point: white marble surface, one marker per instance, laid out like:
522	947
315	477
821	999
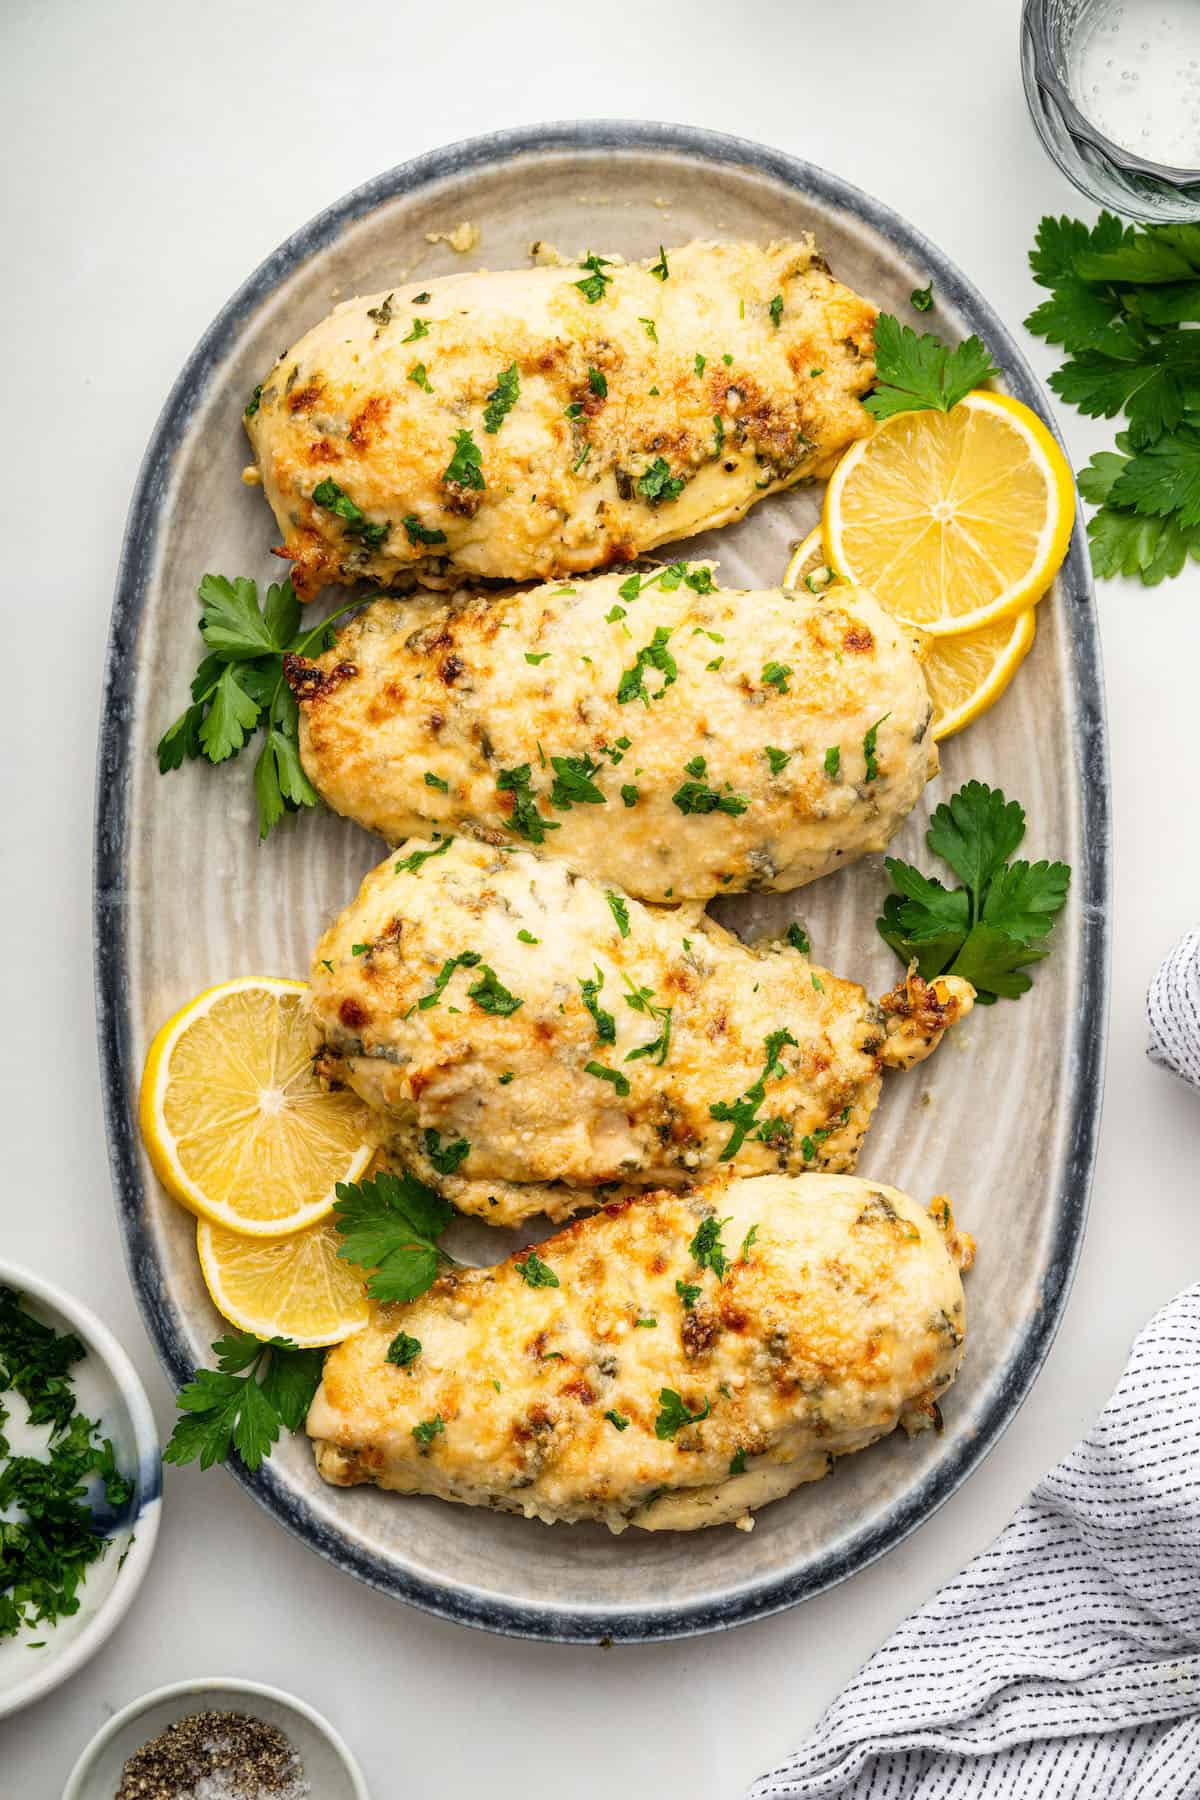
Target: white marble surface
153	153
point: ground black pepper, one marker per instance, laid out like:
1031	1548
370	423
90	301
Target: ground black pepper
215	1756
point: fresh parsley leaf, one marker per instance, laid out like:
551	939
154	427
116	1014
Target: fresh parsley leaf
465	468
598	382
606	1025
421	534
403	1350
616	1419
921	299
500	403
420	329
706	1247
742	1113
1163	478
737	1462
870	741
255	401
653	655
689	1292
776	310
629	794
491	996
390	1225
419	375
593	286
797	937
990	929
641	999
527	937
673	1414
332	498
415	861
534	1272
257	1389
917	374
660	267
466	959
775	674
428	1429
778	759
699	797
651	329
573	784
436	781
833	762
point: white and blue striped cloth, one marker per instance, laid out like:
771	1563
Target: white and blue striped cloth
1064	1662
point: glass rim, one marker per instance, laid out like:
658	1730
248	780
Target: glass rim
1080	126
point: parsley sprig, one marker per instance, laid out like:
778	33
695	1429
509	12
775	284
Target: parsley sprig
920	374
240	685
258	1389
1118	297
996	924
390	1225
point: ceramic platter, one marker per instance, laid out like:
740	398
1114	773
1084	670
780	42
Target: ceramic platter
1004	1118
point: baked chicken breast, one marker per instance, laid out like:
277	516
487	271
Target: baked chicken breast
671	1362
527	1036
675	738
540	422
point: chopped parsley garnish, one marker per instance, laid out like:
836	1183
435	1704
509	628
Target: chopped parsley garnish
420	329
699	797
573	410
411	864
689	1292
653	655
467	959
718	434
699	363
593	286
620	912
727	360
673	1414
253	403
581	459
527	937
809	1144
616	1419
869	742
658	484
359	949
778	759
921	299
996	924
629	794
598	382
525	819
491	996
258	1388
419	375
403	1350
465	467
833	762
775	674
46	1550
428	1429
435	781
797	937
421	299
742	1114
640	999
505	1078
613	614
573	784
390	1225
619	1082
747	1241
919	374
776	310
445	1157
737	1462
332	498
660	267
421	534
697	766
535	1273
706	1247
500	401
651	329
536	656
606	1025
818	984
646	1324
382	314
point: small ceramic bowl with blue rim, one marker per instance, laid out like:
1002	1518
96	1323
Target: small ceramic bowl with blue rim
108	1390
329	1769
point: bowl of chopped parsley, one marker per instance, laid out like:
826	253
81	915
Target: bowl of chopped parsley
80	1485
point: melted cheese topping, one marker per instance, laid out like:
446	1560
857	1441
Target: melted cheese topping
764	739
834	1312
661	409
506	1019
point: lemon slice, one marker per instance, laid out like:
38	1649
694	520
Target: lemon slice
954	520
235	1122
808	559
294	1287
967	673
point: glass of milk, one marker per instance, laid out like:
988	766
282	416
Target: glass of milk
1114	90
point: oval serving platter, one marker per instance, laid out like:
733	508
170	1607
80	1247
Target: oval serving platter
1004	1118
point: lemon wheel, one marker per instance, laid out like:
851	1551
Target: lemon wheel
295	1287
954	520
234	1119
967	674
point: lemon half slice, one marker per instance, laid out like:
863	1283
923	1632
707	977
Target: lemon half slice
954	520
294	1287
968	673
236	1123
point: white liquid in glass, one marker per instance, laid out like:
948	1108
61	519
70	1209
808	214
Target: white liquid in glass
1135	73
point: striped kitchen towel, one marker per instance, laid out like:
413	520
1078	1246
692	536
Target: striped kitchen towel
1064	1662
1173	1010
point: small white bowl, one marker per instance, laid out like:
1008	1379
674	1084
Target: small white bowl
107	1389
329	1768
